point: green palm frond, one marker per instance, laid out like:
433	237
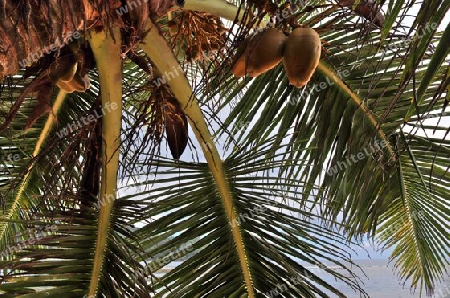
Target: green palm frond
343	119
55	195
416	222
61	261
361	150
185	217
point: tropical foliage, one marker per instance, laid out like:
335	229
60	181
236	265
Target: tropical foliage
275	181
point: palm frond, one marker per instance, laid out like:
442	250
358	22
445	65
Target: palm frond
184	217
358	177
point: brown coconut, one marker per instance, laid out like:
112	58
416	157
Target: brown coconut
259	53
301	55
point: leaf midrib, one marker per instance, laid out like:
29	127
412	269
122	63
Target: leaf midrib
160	53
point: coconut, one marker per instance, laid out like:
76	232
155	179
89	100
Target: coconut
301	55
259	53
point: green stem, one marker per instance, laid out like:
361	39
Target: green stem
107	56
330	73
156	47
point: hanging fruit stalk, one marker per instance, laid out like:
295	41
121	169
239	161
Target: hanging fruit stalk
176	127
301	55
259	53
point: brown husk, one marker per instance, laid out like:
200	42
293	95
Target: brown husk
259	53
301	55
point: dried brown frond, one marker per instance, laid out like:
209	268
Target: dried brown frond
32	28
43	106
196	36
67	69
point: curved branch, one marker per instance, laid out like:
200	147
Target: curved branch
107	49
330	73
156	47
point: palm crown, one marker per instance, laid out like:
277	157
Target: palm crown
275	178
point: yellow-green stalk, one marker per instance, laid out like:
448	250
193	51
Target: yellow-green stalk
156	47
107	52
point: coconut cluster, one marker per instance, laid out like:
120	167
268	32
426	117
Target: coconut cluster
300	52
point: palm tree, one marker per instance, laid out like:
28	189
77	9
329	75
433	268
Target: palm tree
279	178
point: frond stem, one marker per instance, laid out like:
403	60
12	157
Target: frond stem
107	49
156	47
329	73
